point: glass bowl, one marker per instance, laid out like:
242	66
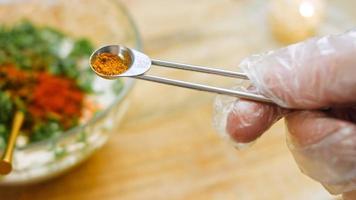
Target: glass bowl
102	22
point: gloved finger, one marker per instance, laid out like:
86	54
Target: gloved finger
248	120
324	148
317	73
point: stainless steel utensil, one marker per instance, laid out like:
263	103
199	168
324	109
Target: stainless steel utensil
140	63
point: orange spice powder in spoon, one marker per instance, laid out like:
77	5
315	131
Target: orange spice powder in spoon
109	64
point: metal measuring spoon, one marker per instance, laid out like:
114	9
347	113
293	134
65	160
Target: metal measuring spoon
139	63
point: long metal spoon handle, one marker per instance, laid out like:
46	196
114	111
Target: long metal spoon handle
6	161
195	86
196	68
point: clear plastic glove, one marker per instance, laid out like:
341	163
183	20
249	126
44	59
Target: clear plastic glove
314	84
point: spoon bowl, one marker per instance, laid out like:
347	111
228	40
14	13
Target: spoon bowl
138	63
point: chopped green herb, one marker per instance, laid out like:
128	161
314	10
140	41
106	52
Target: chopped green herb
46	130
44	73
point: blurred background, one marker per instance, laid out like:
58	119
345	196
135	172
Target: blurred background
166	146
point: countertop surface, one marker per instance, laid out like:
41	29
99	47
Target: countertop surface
166	147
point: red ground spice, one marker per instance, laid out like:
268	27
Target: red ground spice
44	95
18	82
58	96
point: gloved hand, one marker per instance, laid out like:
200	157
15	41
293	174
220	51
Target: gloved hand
314	84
